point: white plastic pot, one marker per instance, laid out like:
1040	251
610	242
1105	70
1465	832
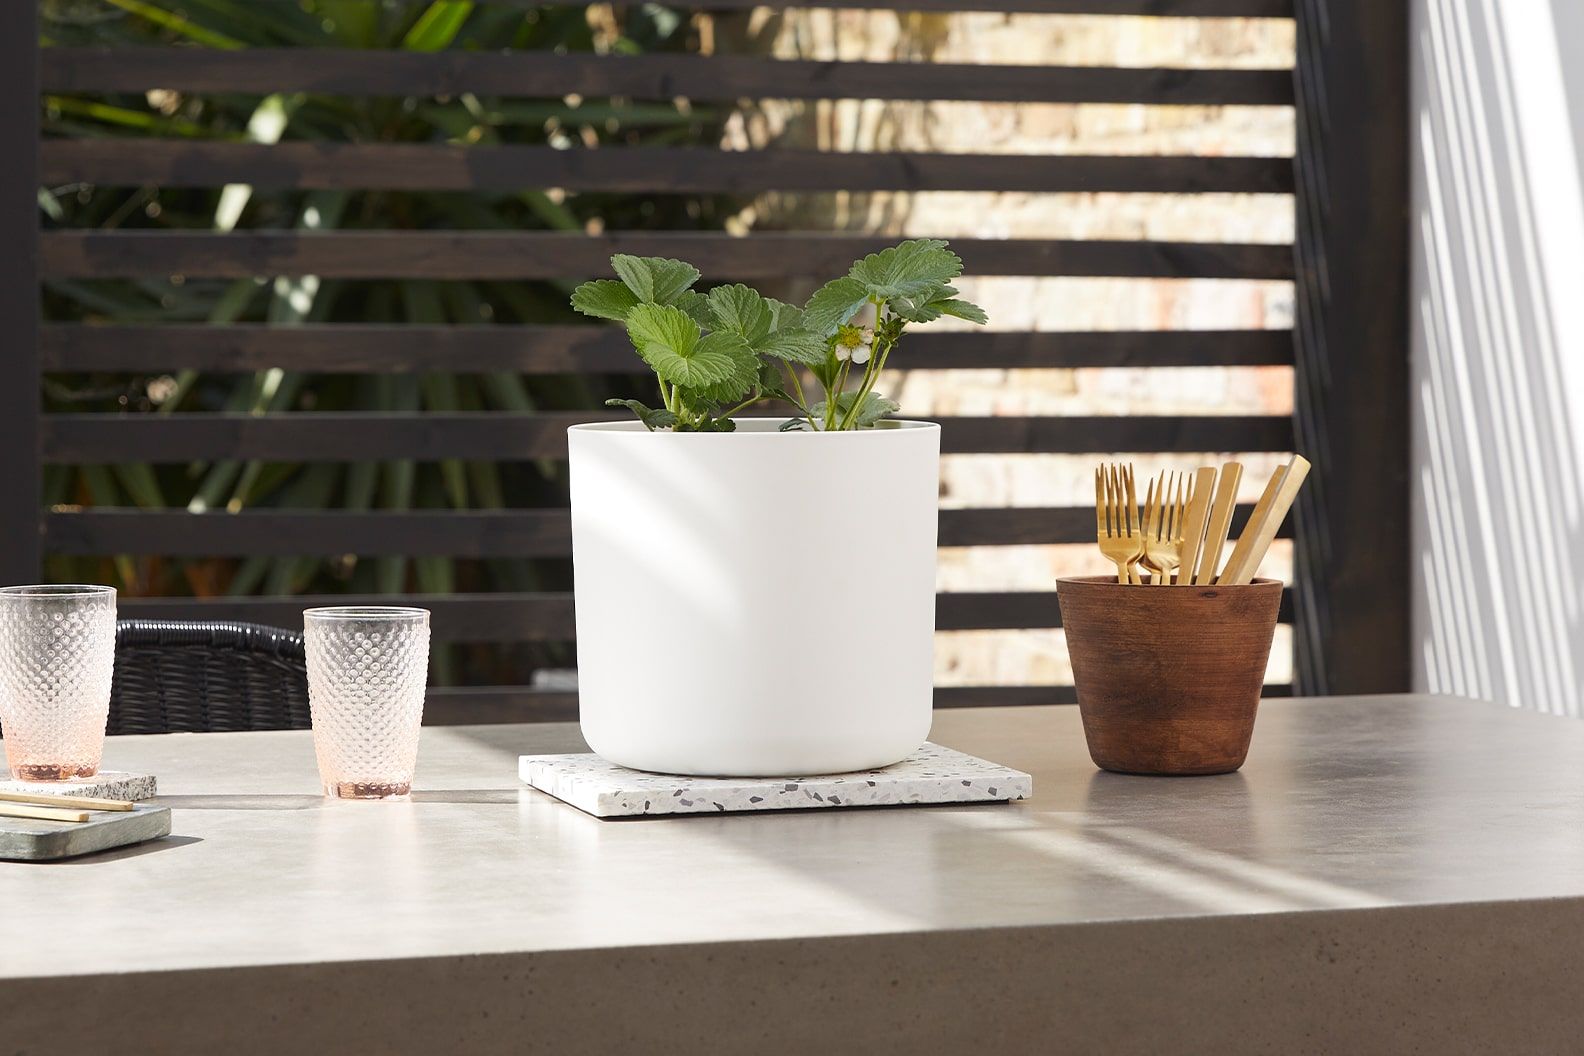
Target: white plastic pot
754	603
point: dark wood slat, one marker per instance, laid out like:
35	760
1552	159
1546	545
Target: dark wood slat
315	437
1353	404
1018	610
660	76
553	254
20	479
464	705
473	534
477	533
354	348
454	617
1002	696
470	705
1040	526
1167	8
1033	696
428	166
455	706
985	611
548	617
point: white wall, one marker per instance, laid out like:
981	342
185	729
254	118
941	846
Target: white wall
1498	348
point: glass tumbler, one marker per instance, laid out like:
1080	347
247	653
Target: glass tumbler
57	655
367	666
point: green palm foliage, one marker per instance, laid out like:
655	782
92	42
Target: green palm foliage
220	484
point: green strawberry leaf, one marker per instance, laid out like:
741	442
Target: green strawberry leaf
669	341
787	316
604	299
742	311
744	375
833	304
934	302
652	418
714	425
873	408
654	280
961	310
696	305
907	269
796	346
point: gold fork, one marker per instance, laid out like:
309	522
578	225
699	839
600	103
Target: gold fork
1165	515
1116	529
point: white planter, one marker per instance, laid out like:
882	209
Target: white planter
754	603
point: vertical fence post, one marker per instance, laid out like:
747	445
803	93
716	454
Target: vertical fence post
20	477
1351	333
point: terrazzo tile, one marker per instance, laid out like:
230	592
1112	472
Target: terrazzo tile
932	775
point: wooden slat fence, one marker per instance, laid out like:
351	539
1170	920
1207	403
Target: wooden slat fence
551	349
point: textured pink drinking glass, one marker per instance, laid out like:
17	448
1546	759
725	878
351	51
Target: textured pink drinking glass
367	665
57	655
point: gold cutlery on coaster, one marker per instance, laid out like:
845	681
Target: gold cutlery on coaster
1182	528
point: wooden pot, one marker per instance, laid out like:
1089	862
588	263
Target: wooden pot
1168	678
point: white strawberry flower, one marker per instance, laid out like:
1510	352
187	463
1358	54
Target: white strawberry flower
854	343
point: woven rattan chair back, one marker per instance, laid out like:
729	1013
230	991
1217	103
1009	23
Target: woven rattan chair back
178	677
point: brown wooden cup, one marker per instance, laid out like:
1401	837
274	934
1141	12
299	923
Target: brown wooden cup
1168	678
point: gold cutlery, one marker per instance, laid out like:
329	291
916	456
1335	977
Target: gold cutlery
1245	543
41	799
1194	529
1267	518
1116	528
1181	531
1163	528
1220	521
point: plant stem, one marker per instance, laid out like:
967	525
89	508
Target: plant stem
755	398
802	398
833	394
871	375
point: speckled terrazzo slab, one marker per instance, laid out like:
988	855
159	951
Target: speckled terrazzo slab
107	784
932	775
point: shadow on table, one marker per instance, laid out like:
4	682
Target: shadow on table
241	801
502	796
116	854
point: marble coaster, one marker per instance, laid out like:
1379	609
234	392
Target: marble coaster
30	840
931	775
106	784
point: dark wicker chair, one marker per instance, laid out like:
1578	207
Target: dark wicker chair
177	677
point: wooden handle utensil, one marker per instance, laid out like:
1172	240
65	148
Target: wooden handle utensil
23	810
1267	518
42	799
1194	524
1245	542
1220	520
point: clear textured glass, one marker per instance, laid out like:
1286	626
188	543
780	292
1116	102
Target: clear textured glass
367	666
57	655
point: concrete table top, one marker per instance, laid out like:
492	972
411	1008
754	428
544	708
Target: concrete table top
1379	872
